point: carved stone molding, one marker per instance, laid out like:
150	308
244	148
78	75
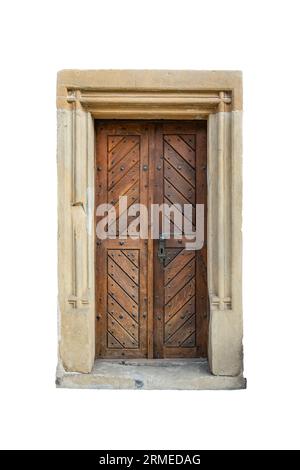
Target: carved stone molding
78	150
84	95
142	104
75	237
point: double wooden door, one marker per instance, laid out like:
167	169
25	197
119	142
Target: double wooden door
151	294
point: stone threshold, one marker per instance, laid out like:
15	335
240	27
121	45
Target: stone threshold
149	374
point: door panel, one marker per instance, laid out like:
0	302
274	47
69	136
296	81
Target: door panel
121	265
180	284
147	307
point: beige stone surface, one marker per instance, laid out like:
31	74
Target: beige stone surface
139	80
225	244
75	158
225	339
153	375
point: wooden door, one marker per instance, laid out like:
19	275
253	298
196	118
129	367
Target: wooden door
145	307
180	281
121	265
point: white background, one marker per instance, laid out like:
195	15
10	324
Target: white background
39	38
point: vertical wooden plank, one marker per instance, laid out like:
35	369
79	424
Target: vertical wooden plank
201	255
100	258
144	274
158	172
151	192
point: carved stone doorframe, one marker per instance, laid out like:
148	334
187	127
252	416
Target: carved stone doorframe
85	95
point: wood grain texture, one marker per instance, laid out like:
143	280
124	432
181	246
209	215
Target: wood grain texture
121	265
180	284
146	308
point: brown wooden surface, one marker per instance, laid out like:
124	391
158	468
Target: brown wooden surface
121	265
146	308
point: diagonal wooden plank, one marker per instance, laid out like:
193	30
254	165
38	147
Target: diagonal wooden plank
127	284
132	198
175	210
181	147
190	139
178	163
179	318
124	184
113	141
123	299
183	296
171	253
190	341
179	182
133	255
173	229
175	197
125	264
183	257
119	170
184	220
112	342
181	279
120	315
122	149
184	332
115	329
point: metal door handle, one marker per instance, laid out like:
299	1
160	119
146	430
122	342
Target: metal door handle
161	249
